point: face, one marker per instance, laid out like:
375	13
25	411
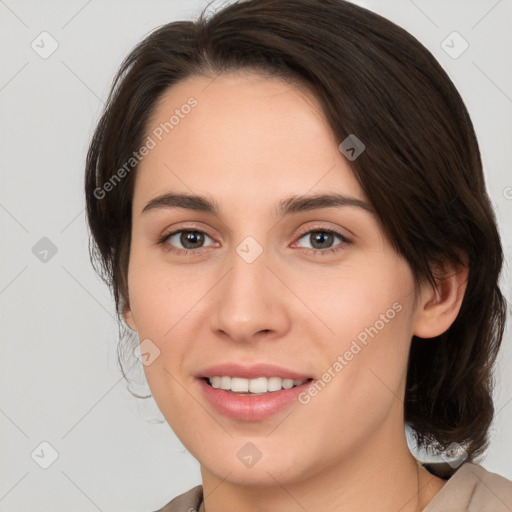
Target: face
264	288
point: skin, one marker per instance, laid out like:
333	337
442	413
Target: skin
250	142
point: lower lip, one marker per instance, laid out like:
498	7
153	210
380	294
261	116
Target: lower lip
251	408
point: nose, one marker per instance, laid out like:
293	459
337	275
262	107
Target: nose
251	301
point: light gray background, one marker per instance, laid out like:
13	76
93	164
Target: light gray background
59	377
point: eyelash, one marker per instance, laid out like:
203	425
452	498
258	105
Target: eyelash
162	241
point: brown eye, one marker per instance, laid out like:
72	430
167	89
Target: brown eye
194	238
322	240
184	241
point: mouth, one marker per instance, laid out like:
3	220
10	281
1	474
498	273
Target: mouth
252	399
251	392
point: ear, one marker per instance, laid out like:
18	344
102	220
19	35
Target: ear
128	318
438	307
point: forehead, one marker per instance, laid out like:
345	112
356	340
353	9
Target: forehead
246	137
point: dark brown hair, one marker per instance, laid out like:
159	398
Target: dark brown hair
421	171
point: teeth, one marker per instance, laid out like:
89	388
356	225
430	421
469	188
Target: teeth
274	384
225	383
239	385
257	386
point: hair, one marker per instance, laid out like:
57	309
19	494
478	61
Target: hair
421	171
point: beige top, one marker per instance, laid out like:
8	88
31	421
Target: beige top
471	488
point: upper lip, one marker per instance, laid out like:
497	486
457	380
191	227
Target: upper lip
251	371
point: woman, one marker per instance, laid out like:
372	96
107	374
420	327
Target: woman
288	202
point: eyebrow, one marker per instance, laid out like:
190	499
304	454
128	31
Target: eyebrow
290	205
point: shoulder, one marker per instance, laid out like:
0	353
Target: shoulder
189	501
472	487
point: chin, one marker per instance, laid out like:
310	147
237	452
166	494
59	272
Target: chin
252	477
263	473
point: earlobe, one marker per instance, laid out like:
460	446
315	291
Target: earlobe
128	318
438	307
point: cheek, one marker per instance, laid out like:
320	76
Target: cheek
157	304
159	295
369	315
357	302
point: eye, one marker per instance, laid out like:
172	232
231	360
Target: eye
190	239
321	240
